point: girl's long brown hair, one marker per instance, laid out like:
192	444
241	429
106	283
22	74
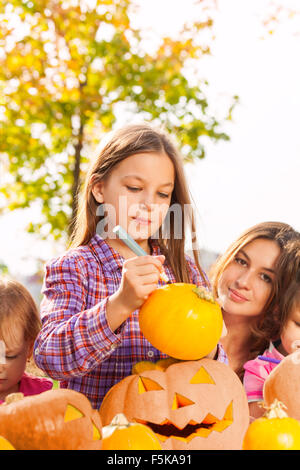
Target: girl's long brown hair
266	327
132	140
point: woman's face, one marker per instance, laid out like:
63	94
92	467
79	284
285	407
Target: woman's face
137	193
246	284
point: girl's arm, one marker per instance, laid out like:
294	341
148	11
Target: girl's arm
73	338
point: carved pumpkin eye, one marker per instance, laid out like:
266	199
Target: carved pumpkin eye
96	433
202	377
72	413
180	401
147	385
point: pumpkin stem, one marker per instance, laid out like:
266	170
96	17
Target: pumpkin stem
118	422
276	410
204	294
13	397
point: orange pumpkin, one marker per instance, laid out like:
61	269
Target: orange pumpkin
122	435
181	320
189	405
54	420
274	431
283	384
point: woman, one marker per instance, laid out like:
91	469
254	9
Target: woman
245	280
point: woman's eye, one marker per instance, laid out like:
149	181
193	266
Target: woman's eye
241	261
266	278
164	195
11	357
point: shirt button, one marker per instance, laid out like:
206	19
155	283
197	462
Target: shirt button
150	353
36	351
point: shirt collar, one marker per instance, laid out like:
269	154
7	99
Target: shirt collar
273	349
110	257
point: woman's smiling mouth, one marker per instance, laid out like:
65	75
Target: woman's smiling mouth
235	296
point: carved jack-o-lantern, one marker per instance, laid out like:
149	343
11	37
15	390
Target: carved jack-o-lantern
53	420
191	405
283	384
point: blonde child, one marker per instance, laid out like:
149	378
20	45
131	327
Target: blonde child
19	326
284	333
90	336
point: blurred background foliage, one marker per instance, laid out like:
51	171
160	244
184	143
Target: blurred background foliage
68	70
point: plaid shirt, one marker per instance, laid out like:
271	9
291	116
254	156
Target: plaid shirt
76	344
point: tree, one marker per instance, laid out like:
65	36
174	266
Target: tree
67	70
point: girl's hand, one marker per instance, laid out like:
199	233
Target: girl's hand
140	276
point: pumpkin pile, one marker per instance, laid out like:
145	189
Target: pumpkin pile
188	405
182	321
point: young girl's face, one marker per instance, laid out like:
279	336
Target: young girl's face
138	191
13	369
246	284
290	336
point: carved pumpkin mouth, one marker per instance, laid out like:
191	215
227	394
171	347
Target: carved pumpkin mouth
167	429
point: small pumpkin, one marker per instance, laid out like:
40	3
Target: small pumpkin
189	404
283	384
5	445
181	320
274	431
120	434
58	419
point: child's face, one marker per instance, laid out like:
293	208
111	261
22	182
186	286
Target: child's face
139	192
290	336
13	369
246	283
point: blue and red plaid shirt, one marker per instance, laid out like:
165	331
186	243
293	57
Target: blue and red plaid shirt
76	345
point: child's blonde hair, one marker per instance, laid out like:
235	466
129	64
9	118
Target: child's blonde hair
18	313
132	140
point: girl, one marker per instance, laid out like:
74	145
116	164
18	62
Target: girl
19	326
286	326
90	337
246	283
